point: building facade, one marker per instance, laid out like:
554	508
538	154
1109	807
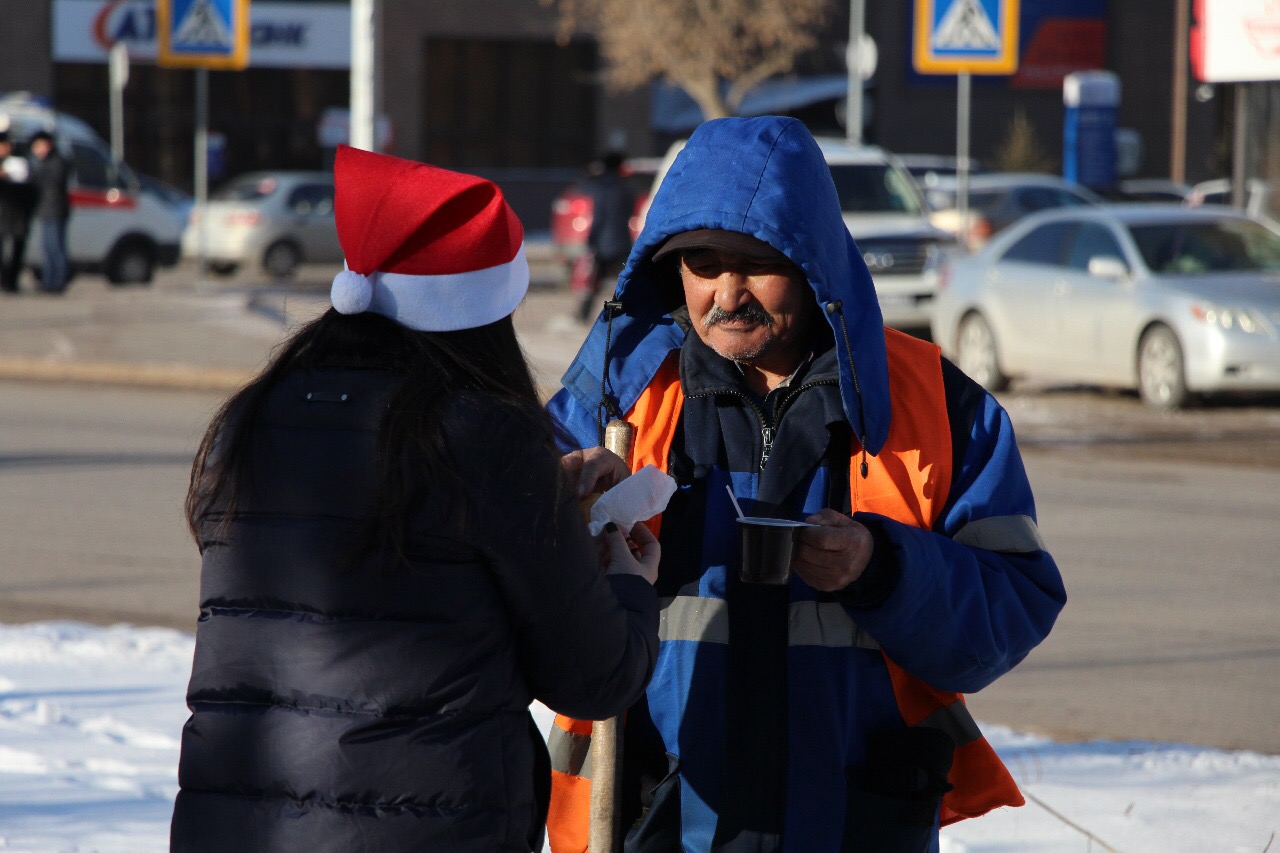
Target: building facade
485	86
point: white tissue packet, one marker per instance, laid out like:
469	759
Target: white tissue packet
641	496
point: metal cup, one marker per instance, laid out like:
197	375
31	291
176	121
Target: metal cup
767	546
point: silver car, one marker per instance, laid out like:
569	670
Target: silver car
273	219
1169	300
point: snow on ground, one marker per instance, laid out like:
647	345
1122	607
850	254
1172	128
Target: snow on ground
90	720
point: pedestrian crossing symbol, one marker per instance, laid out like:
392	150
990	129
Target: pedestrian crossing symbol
203	33
966	36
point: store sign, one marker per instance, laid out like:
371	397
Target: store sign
281	35
1236	41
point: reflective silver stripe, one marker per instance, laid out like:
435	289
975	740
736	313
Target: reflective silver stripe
828	624
812	623
688	617
955	720
570	753
1011	534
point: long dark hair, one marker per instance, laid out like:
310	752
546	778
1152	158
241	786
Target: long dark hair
435	365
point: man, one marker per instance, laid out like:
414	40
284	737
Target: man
746	346
50	178
609	240
16	199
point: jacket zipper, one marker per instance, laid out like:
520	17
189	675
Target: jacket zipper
768	428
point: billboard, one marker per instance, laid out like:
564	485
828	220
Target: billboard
1236	41
281	35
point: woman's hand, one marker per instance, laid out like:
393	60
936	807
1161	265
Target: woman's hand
593	470
637	554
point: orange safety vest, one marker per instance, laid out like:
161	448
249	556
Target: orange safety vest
907	481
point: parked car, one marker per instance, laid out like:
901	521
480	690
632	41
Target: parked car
928	169
178	203
999	199
889	220
1257	194
572	208
276	220
115	228
1171	301
1147	190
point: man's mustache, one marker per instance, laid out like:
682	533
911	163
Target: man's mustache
751	313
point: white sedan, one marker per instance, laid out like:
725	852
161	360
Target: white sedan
1171	301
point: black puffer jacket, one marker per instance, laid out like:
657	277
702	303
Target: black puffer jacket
340	704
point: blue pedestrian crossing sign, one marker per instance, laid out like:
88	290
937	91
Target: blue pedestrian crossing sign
202	33
966	36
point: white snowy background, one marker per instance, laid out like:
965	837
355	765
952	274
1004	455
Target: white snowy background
90	720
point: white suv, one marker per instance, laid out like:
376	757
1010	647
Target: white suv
889	220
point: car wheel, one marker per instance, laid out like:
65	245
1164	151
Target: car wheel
1162	381
131	263
281	259
977	356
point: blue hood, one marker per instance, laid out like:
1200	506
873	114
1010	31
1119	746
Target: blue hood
765	177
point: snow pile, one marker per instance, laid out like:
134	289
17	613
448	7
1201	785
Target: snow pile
90	720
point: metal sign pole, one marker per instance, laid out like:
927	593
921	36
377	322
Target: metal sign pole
1238	145
853	68
202	168
963	96
364	74
118	78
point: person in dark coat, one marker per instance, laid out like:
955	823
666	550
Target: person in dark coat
16	201
395	563
609	240
51	177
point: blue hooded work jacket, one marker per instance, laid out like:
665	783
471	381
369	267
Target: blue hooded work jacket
951	614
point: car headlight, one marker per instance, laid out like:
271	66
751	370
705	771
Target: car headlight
1229	317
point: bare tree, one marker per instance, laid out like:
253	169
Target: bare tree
716	50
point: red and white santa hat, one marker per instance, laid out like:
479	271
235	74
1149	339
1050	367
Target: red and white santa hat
434	250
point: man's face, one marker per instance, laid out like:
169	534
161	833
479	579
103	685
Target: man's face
40	148
748	310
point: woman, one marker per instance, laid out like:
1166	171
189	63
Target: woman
394	565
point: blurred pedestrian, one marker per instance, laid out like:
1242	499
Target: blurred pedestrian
394	560
51	177
609	241
17	198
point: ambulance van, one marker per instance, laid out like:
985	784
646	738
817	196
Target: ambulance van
116	228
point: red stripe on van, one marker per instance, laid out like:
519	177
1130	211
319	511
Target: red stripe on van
81	197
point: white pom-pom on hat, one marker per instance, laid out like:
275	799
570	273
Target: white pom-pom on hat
351	292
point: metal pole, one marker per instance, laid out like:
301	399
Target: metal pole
202	167
118	78
1238	146
963	92
363	73
853	68
1178	117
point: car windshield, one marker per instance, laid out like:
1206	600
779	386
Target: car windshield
1192	248
248	188
874	188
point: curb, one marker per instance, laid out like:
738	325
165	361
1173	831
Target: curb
171	376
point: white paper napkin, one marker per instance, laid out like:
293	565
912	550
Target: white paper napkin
641	496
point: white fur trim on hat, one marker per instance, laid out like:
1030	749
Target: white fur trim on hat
436	303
